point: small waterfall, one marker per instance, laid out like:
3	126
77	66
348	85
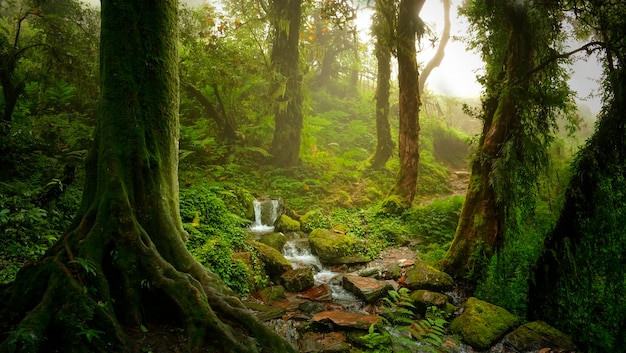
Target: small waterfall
298	252
265	215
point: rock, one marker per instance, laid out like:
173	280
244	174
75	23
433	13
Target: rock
298	280
481	324
333	342
311	308
270	294
271	209
287	224
334	248
536	335
274	239
317	293
422	276
429	298
346	320
365	288
265	312
275	262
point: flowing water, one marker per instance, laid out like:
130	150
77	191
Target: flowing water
265	215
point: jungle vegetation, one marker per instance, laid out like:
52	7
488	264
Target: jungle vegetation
134	137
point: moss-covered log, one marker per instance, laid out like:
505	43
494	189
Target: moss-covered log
123	263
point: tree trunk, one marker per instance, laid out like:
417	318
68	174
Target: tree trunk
441	49
480	228
123	263
226	127
408	77
383	31
286	91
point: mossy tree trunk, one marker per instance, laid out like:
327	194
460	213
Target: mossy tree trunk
383	30
480	227
123	263
286	90
405	186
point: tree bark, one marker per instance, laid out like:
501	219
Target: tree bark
286	90
441	49
124	263
480	228
408	141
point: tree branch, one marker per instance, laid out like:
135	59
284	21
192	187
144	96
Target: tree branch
591	46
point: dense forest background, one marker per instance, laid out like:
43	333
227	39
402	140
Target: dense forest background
538	177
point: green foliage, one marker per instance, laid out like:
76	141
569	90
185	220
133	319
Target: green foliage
215	234
401	331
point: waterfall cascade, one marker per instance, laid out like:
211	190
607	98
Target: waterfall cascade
266	213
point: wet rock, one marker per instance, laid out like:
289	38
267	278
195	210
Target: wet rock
298	280
311	308
270	294
275	263
317	293
536	335
287	224
481	324
333	342
265	312
421	275
274	239
365	288
346	320
336	248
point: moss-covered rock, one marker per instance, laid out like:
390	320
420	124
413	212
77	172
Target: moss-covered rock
270	294
314	219
481	324
336	248
536	335
298	280
421	275
274	239
275	263
288	224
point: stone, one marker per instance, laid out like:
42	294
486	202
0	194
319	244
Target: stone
332	342
482	324
429	298
275	263
346	320
317	293
334	248
366	288
287	224
270	294
422	276
298	280
536	335
265	312
274	239
311	308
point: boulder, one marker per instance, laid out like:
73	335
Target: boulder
332	342
420	275
536	335
287	224
274	239
265	312
481	324
270	294
298	280
334	248
346	320
275	262
311	308
320	293
365	288
422	299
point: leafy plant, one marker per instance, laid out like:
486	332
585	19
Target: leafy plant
401	331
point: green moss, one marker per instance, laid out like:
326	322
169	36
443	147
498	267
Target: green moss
335	248
481	324
314	219
287	224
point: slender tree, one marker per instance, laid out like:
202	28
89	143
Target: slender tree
519	106
441	48
123	262
383	28
582	265
409	25
287	81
